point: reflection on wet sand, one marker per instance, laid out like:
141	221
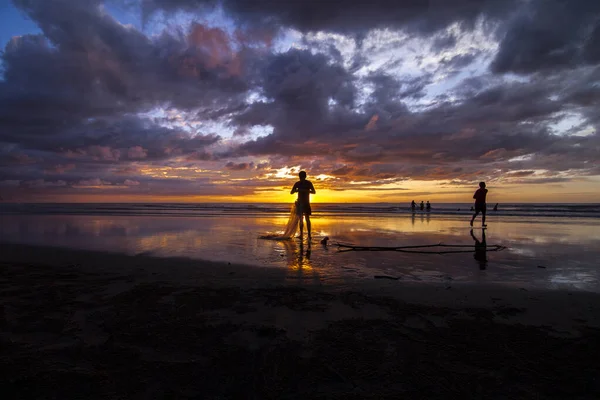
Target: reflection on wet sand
567	248
480	254
298	256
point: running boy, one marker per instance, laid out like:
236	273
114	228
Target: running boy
480	206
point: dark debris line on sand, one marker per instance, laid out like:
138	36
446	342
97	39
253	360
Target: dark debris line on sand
157	340
342	247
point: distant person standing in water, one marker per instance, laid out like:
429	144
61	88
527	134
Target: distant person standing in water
480	206
496	207
422	205
413	206
304	188
428	206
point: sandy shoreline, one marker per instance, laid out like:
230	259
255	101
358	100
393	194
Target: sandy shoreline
567	250
81	324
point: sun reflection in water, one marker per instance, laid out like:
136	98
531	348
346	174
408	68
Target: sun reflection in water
567	250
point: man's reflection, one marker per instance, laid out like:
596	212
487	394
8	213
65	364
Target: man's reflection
480	254
296	255
308	251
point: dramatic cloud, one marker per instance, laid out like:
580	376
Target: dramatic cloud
234	97
238	167
551	34
345	16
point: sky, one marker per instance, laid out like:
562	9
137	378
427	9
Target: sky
226	101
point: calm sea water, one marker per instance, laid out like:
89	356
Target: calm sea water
324	209
547	245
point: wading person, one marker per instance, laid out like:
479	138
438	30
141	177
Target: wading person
304	188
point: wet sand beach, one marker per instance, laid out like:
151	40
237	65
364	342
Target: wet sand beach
541	253
84	324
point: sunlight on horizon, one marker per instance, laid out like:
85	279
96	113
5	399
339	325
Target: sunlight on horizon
420	191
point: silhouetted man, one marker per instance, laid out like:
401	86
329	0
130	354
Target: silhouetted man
413	206
480	206
428	206
422	205
304	188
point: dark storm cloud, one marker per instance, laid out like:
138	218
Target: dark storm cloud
306	95
104	142
87	65
537	181
70	95
239	166
520	173
549	35
59	169
388	91
134	137
299	78
480	121
93	103
490	125
459	61
495	123
443	42
345	170
346	16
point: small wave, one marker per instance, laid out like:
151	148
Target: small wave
279	209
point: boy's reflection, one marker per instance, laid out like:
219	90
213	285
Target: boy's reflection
480	254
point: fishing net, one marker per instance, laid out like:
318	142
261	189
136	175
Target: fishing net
290	228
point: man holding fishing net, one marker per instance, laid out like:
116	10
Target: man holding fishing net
304	188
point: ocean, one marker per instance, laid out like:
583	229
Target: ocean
544	245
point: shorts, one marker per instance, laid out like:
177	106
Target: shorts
480	208
303	209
